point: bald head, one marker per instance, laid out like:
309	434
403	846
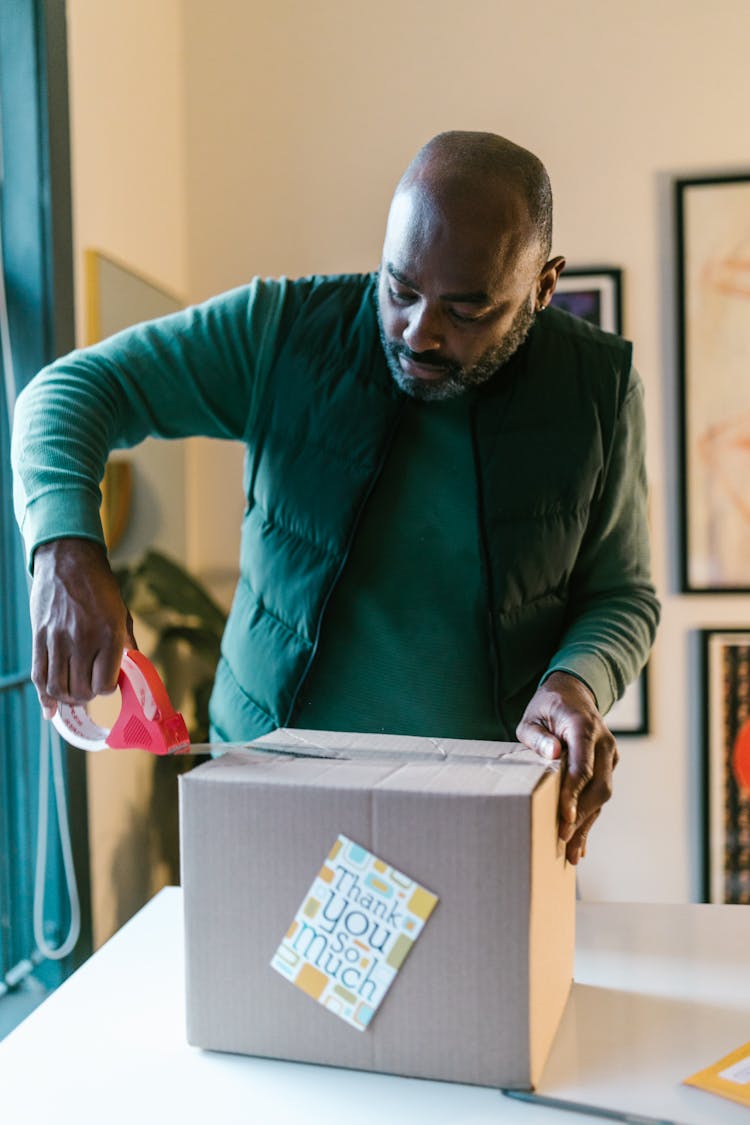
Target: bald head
486	173
464	267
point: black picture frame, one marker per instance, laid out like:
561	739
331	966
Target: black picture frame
712	236
629	716
595	294
724	657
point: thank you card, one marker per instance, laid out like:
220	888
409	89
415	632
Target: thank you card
353	931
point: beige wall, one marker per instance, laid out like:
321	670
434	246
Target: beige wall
299	117
127	70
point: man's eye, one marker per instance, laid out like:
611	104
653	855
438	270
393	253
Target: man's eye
466	317
400	298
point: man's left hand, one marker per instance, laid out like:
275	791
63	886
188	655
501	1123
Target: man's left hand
562	718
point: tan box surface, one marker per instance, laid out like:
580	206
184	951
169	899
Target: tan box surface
480	995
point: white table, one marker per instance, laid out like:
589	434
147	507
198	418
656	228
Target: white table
660	992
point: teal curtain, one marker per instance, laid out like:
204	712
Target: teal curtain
19	737
37	269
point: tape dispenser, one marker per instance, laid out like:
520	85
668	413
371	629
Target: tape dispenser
147	719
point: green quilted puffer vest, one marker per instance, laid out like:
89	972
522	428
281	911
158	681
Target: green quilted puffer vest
541	433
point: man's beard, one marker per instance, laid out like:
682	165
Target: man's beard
455	378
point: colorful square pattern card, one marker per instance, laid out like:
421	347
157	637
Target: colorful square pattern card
355	927
729	1077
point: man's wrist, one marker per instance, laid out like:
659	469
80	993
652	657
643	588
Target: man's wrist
55	551
561	679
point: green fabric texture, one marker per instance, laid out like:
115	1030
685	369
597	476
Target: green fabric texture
296	371
389	657
189	373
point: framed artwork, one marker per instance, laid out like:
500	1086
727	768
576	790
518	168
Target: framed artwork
629	716
713	276
143	492
725	699
595	295
118	296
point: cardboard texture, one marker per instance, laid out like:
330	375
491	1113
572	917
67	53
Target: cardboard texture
480	995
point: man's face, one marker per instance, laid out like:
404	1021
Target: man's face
454	303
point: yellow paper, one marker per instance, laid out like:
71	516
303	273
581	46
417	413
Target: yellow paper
729	1077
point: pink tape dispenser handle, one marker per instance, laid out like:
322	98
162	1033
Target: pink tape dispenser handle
147	719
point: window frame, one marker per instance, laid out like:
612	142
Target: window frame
38	266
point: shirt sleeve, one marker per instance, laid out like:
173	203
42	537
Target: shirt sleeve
614	610
197	372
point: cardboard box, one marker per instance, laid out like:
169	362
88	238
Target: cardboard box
479	997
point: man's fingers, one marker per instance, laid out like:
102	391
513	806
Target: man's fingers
59	676
132	643
562	719
106	667
80	678
79	622
589	798
583	746
49	705
105	670
58	672
572	785
537	737
39	673
576	847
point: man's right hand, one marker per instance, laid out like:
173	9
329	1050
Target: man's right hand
80	624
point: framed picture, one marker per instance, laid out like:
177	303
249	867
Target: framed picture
725	699
118	296
595	294
629	716
713	274
143	491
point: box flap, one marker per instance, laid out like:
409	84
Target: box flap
349	744
399	766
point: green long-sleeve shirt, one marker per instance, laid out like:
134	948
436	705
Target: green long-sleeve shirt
229	367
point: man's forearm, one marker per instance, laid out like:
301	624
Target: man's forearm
608	642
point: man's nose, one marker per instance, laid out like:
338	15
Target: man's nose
423	332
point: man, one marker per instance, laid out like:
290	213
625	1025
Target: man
445	529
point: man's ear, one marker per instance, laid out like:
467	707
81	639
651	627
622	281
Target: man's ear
547	282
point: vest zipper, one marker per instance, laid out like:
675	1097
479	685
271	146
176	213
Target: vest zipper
485	559
344	559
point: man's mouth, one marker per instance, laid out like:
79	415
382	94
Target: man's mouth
419	369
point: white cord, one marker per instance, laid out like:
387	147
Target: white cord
51	747
49	744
